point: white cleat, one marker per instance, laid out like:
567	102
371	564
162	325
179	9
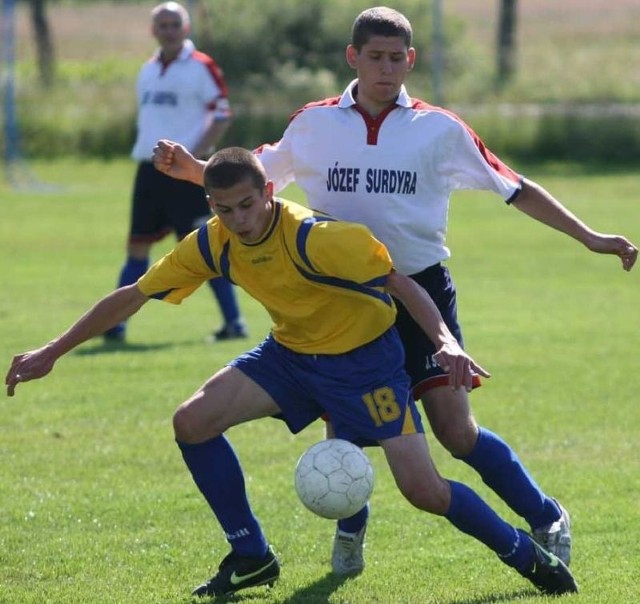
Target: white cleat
347	557
556	537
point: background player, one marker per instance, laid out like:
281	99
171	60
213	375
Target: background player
181	94
333	348
398	161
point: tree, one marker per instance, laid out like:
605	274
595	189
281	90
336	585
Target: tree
506	54
44	42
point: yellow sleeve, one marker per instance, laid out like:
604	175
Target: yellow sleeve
349	251
179	273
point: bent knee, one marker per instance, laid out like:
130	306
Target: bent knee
434	499
189	428
451	420
459	438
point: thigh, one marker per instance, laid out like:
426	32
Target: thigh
149	222
280	373
185	206
227	399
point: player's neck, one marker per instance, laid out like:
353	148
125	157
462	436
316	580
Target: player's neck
169	54
374	109
371	106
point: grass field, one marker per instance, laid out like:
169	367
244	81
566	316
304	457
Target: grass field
97	506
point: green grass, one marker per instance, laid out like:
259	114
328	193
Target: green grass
98	507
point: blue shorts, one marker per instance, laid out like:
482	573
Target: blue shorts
423	371
364	391
162	204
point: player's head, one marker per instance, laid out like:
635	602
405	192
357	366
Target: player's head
239	192
231	165
170	25
382	55
380	21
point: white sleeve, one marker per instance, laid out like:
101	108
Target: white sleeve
278	161
212	93
468	164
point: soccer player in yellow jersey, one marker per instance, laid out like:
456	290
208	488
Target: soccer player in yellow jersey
333	349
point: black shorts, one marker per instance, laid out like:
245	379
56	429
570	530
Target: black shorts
162	204
424	372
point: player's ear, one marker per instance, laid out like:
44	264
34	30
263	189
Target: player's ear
352	55
411	57
268	189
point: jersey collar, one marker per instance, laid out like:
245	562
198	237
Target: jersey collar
348	98
187	50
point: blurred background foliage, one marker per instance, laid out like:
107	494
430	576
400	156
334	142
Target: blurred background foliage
574	93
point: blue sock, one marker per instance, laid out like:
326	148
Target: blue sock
471	515
225	294
354	523
501	469
132	270
217	473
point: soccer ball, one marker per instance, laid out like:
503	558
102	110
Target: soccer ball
334	478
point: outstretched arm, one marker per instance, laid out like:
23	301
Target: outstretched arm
449	355
174	160
536	202
111	310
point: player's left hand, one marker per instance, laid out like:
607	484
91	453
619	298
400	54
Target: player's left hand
459	365
615	244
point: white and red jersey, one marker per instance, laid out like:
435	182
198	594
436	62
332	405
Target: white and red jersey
178	100
394	173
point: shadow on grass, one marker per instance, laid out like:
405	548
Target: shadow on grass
497	598
101	346
317	592
321	590
107	347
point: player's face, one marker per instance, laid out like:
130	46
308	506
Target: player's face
243	209
382	66
170	32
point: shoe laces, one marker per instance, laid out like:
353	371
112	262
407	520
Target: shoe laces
349	544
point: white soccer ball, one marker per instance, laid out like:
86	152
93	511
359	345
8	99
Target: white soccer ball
334	478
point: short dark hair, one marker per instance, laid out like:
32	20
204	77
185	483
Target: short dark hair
380	21
232	165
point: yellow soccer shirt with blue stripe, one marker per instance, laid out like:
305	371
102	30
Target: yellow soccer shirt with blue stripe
320	279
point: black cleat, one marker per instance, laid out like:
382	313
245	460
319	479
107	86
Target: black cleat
234	331
114	337
239	572
548	573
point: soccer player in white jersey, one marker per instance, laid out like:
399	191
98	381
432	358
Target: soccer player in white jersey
378	156
333	348
182	95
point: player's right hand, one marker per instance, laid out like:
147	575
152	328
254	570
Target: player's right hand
459	365
28	366
174	160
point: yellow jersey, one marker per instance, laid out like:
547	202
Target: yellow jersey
320	279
